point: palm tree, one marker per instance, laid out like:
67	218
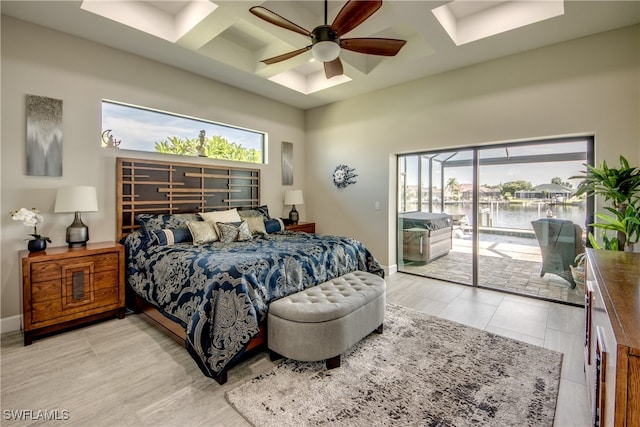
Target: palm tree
453	186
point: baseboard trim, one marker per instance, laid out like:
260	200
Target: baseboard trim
390	269
11	324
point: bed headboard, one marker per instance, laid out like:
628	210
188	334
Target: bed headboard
159	187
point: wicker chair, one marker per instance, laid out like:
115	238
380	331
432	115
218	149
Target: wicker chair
560	241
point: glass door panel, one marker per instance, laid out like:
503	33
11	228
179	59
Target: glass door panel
434	240
530	226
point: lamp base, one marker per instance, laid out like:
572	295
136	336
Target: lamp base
293	215
77	233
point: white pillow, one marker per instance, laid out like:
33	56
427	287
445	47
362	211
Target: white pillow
214	217
221	216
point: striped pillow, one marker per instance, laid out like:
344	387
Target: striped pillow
166	236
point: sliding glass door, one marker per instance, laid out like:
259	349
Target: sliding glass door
501	216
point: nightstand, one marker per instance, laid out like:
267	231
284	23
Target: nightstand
307	227
64	287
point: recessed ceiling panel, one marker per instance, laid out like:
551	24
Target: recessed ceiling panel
168	20
308	78
466	21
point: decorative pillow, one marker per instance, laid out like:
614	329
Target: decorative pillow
256	224
221	216
168	236
260	210
232	232
250	213
202	232
273	225
154	222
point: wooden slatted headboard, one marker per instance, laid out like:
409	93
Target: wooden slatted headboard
159	187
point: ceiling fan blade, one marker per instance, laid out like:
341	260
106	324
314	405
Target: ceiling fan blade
285	56
373	46
333	68
354	13
275	19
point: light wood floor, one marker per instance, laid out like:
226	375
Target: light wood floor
125	373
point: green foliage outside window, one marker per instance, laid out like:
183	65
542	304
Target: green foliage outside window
215	147
513	187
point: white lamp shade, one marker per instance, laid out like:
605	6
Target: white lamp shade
325	51
293	197
76	199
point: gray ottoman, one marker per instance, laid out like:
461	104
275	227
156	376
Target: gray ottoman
322	322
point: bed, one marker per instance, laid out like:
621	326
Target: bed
426	236
214	295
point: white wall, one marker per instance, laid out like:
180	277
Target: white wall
585	86
42	62
588	86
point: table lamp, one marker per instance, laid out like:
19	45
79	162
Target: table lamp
76	199
293	198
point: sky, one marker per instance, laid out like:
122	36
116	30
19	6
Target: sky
539	173
536	173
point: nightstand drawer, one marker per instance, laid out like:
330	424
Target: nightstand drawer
48	312
44	271
76	283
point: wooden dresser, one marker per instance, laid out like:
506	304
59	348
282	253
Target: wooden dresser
612	337
64	287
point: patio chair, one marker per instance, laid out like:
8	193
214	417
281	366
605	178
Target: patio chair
560	241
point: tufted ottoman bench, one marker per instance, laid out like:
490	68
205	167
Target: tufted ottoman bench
322	322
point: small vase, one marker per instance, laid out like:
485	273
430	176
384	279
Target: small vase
36	245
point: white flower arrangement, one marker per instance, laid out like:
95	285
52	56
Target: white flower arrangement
30	218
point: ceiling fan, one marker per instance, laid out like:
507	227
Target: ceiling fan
326	40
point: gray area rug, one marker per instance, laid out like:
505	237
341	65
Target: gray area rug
422	370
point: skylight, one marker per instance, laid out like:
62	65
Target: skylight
169	20
308	78
466	21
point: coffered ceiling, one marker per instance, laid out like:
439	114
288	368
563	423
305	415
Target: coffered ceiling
223	41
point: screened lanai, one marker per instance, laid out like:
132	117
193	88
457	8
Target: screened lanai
460	218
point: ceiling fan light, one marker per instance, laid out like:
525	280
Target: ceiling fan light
325	51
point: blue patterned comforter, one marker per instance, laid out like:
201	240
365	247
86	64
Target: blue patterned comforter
220	292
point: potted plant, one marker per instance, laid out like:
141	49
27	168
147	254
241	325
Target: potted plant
577	270
620	186
31	218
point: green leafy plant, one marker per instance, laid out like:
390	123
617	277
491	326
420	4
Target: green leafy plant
215	147
625	223
620	187
607	244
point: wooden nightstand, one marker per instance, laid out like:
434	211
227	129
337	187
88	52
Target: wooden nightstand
307	227
64	287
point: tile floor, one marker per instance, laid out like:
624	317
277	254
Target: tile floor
125	373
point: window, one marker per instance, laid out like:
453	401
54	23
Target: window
137	128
